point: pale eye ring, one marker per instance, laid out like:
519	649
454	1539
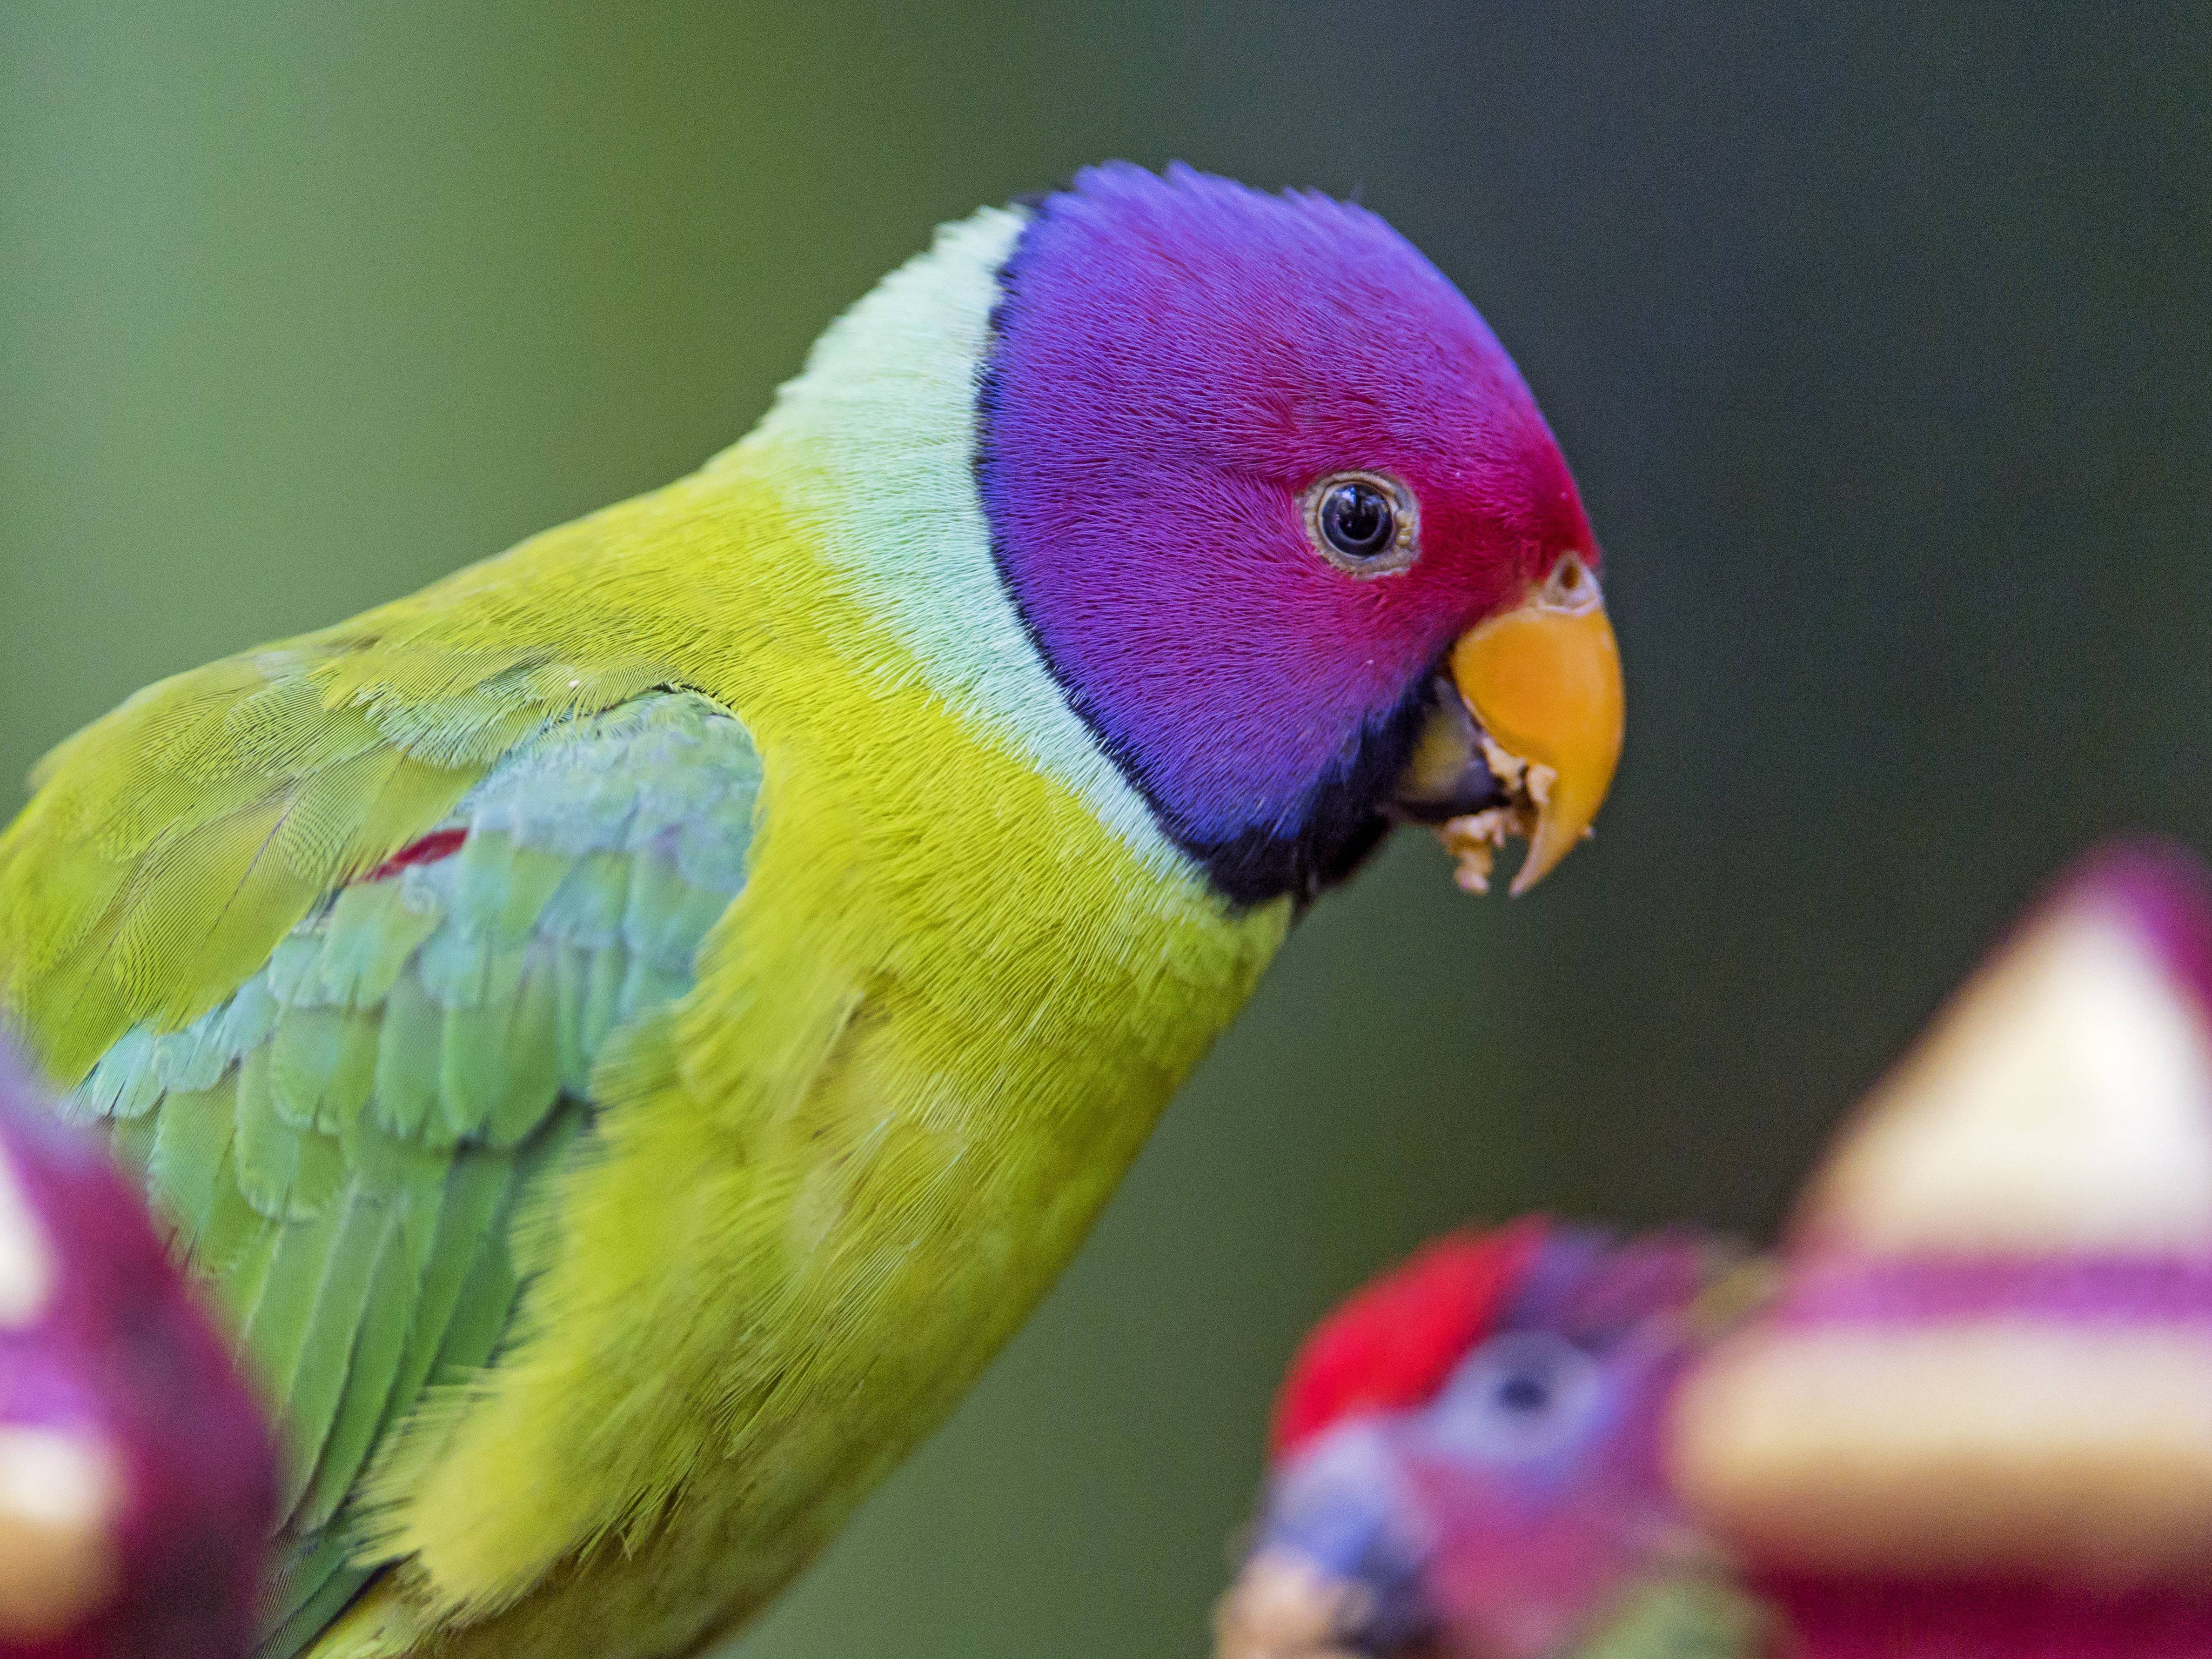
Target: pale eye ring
1521	1395
1363	523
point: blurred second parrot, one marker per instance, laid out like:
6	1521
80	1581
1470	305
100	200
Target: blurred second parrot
1468	1462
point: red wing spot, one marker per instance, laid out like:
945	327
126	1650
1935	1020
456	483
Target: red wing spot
1392	1343
430	850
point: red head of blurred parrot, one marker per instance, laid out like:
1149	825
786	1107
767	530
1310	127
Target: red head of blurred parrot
137	1478
1466	1463
630	1031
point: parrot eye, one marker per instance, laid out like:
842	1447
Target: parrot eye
1362	523
1523	1394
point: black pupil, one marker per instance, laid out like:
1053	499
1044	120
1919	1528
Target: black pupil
1524	1391
1358	520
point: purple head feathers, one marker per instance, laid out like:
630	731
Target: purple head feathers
1177	362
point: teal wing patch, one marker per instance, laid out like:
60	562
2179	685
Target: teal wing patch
340	1148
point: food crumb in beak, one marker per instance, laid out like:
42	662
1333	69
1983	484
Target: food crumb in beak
1474	839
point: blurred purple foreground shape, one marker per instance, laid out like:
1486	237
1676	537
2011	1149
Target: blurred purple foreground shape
1977	1422
137	1478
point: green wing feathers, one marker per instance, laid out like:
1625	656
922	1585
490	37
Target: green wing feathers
169	847
342	1135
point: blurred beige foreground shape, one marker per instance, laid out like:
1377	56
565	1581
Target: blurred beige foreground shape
1978	1418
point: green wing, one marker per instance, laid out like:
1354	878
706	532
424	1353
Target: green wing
342	1143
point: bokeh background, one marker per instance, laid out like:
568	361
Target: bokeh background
1881	340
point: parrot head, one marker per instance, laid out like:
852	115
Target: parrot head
1466	1457
1291	532
138	1476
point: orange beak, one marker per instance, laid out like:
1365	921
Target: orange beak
1543	683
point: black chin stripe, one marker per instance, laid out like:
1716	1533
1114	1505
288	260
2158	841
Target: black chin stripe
1335	830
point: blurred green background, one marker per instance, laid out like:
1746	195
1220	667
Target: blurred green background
1881	344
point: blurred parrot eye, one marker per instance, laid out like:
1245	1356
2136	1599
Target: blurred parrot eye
1362	523
1523	1394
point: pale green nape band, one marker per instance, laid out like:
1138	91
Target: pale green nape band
883	421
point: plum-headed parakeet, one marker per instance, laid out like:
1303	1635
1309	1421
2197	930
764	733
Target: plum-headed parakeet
629	1030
